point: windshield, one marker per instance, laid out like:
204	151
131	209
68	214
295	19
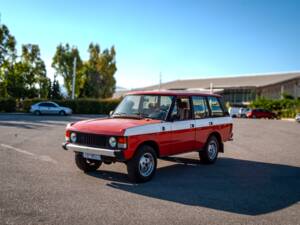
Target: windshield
144	106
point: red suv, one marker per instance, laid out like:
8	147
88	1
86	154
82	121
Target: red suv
261	113
149	125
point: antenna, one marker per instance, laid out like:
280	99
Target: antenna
159	81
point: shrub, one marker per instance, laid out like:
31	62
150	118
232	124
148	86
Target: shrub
7	105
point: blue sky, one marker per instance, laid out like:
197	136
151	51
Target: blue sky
180	39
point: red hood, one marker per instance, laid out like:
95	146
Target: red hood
109	126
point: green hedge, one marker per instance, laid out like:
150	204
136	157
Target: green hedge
79	106
7	105
286	108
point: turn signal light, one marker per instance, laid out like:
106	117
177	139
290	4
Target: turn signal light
122	142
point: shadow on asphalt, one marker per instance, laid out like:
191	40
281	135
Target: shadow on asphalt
233	185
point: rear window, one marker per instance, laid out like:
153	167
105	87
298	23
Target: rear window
215	107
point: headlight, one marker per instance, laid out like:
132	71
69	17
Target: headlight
112	142
73	137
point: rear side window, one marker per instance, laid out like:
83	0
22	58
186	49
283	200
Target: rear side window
43	104
200	107
215	107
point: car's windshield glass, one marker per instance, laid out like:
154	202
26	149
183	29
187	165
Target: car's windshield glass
144	106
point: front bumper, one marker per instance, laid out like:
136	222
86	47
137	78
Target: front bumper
114	153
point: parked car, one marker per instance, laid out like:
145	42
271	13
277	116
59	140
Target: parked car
243	112
297	118
261	113
234	112
149	125
49	108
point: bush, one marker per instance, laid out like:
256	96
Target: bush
7	105
283	107
80	106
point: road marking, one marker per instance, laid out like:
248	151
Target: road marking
44	158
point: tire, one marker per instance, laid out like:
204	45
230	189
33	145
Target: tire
142	166
86	165
210	152
62	113
254	117
37	112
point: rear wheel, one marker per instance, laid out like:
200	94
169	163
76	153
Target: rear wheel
210	153
86	165
62	113
142	166
37	112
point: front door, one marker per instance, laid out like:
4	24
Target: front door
182	127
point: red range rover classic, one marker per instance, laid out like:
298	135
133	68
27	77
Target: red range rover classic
147	125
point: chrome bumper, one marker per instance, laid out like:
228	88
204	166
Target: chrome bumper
91	150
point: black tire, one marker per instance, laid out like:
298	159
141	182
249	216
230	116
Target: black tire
62	113
37	112
138	163
209	154
86	165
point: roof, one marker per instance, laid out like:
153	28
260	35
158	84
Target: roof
228	82
172	93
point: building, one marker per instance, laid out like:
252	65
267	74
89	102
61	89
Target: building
240	89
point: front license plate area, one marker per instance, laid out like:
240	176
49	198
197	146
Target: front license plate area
91	156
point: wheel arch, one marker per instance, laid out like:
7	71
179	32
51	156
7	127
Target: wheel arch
151	143
219	137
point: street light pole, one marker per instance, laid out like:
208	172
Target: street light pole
74	78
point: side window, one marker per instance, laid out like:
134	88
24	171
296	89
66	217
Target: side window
200	107
181	110
43	105
51	105
215	107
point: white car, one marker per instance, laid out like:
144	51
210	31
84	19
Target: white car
233	112
49	108
297	118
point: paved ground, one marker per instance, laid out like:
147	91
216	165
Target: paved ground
256	181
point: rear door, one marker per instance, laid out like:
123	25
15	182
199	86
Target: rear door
220	122
183	126
54	109
43	107
202	121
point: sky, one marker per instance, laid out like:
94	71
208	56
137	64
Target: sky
180	39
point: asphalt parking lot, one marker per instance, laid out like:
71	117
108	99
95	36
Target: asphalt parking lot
256	180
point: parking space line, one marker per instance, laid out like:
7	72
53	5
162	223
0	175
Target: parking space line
44	158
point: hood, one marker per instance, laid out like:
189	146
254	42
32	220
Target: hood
109	126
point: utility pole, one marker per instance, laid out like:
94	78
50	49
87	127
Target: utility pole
159	81
211	88
74	78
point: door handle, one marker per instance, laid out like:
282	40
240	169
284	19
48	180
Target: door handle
192	125
211	123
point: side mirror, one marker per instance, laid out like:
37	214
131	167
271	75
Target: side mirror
111	113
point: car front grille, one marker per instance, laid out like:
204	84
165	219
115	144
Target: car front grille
93	140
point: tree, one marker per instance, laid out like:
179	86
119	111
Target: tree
7	45
7	57
34	71
99	73
63	64
55	90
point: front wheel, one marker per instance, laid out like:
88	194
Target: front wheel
142	166
210	153
86	165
